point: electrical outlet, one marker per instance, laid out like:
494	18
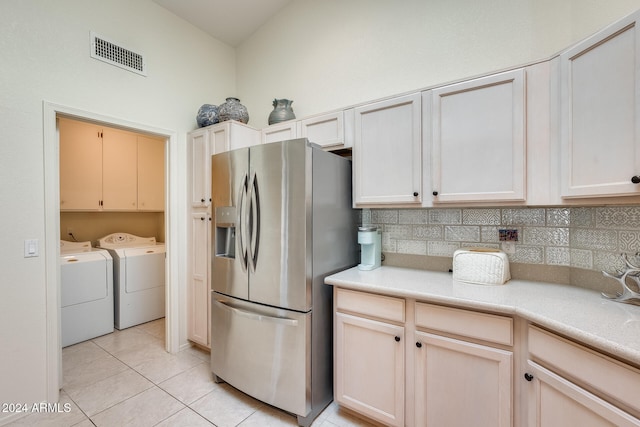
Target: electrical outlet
509	247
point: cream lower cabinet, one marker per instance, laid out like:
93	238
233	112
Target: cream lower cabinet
459	382
198	300
369	364
570	385
453	382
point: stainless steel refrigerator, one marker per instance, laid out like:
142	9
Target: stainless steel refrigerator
283	221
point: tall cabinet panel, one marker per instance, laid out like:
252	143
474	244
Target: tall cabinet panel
119	173
80	165
478	139
600	113
387	152
198	301
202	144
150	173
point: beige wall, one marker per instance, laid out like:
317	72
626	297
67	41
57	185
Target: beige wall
330	54
90	226
44	51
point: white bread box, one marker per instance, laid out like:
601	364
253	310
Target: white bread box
481	265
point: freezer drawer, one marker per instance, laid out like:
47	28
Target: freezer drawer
263	351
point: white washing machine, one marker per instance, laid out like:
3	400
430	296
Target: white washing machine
86	292
138	278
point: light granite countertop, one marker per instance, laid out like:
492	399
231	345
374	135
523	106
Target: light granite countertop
578	313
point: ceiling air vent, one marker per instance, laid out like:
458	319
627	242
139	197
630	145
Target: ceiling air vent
109	52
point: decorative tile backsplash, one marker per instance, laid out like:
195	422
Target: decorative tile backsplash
582	237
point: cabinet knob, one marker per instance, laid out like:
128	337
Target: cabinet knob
201	218
415	194
635	179
435	193
418	344
397	338
528	376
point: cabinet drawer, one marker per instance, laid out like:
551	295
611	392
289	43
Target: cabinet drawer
598	372
378	306
472	324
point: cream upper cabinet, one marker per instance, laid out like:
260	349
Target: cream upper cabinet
477	139
568	384
600	113
231	135
369	355
331	131
80	165
387	165
279	132
200	168
210	140
198	288
150	173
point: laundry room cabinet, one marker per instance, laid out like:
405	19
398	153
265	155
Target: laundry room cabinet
600	113
106	169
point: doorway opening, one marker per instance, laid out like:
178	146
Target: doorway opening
53	232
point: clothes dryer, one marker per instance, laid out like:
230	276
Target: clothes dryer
86	292
138	278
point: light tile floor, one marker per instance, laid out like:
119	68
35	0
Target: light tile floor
128	379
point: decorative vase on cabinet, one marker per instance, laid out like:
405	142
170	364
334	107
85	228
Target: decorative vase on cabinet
207	115
282	111
232	109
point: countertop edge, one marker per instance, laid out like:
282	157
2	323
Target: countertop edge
516	301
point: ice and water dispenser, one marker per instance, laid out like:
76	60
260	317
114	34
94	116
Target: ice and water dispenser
370	240
225	243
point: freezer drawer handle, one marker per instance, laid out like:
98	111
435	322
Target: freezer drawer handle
259	317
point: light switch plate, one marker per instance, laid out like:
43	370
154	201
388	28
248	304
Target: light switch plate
31	248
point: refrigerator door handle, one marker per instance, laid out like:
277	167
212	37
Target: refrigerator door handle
242	230
258	317
253	221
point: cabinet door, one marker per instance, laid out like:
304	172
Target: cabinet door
326	130
600	113
478	140
80	165
462	384
198	311
200	165
231	135
556	402
119	170
369	368
387	152
279	132
150	174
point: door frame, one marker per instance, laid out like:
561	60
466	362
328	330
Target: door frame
51	150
